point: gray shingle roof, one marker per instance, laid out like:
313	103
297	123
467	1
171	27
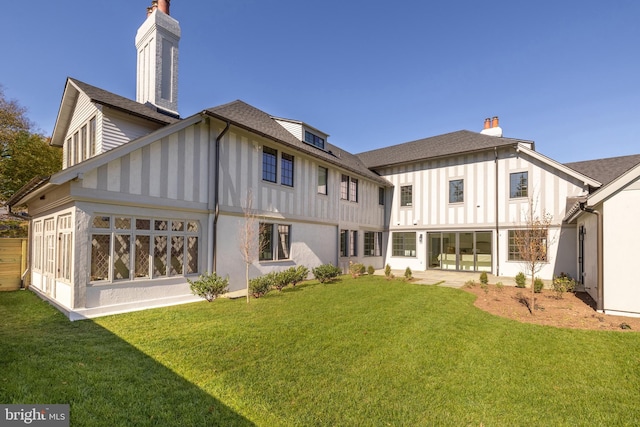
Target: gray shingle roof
104	97
605	170
462	141
252	119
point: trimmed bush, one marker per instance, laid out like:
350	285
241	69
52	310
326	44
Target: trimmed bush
563	283
499	286
371	270
260	285
521	280
538	285
408	274
209	286
356	269
326	272
483	278
281	279
387	271
299	274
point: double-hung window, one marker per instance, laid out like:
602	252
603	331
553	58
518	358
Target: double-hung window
269	164
372	243
456	191
323	174
348	188
528	244
518	184
275	241
406	195
286	167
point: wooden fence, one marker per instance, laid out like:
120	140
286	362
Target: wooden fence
13	262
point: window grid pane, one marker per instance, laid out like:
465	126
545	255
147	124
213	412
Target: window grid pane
344	187
100	250
518	186
404	244
266	242
269	164
283	242
121	256
177	255
287	170
406	195
456	191
353	193
322	180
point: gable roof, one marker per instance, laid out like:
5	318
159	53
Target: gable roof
250	118
605	170
462	141
70	95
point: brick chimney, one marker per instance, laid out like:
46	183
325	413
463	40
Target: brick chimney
491	127
164	5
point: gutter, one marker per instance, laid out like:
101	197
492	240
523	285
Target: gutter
600	256
213	234
495	150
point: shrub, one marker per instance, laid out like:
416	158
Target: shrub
538	285
499	286
299	274
260	285
470	284
483	278
281	279
387	271
356	269
563	283
326	272
209	286
408	274
521	280
371	270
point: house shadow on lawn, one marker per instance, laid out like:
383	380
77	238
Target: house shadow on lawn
46	359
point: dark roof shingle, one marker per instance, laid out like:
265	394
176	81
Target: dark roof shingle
462	141
252	119
605	170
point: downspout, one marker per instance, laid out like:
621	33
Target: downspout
495	150
216	198
600	255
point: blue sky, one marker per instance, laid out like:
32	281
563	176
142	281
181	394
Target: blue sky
565	74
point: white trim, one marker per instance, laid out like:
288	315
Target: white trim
614	186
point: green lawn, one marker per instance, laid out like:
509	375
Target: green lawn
353	353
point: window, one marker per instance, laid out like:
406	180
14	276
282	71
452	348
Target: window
83	143
125	248
372	243
403	244
68	153
92	137
518	184
344	187
314	140
322	180
531	241
77	157
353	243
381	196
49	246
406	195
456	191
269	164
37	245
287	170
343	242
353	190
275	242
65	235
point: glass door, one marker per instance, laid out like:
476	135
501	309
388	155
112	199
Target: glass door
484	259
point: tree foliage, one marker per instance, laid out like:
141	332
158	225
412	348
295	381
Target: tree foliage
23	154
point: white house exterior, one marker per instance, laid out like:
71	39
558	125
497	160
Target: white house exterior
147	200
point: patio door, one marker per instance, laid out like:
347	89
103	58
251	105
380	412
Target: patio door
462	251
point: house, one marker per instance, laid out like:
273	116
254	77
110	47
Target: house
147	200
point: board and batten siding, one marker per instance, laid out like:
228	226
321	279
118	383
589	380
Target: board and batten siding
241	170
430	179
173	168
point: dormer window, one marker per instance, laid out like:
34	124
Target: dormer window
313	139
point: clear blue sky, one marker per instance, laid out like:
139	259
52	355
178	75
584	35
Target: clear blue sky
565	74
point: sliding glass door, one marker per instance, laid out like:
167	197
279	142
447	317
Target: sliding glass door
463	251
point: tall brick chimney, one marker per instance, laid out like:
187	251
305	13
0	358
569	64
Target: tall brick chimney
491	127
164	5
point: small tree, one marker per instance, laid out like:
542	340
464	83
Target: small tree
531	242
250	241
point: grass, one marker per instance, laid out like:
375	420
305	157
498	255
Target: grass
360	352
